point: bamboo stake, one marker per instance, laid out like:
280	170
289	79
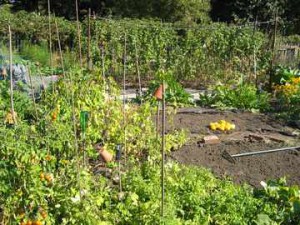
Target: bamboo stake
124	96
89	62
254	56
273	49
78	32
102	59
33	91
137	68
11	78
113	59
157	120
60	50
163	144
50	34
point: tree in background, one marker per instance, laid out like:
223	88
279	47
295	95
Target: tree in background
187	11
293	16
64	8
287	11
167	10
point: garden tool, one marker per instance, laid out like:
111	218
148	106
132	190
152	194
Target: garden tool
231	158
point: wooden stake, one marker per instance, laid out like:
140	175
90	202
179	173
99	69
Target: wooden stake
102	59
124	97
273	49
157	120
137	68
11	78
50	33
33	91
89	59
78	32
163	144
254	56
60	50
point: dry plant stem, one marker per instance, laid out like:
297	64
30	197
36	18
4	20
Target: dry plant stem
11	77
33	91
78	32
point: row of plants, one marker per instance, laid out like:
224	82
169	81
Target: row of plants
217	51
205	53
35	28
200	53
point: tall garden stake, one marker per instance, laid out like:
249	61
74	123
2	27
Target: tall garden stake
11	78
78	32
33	92
157	120
138	68
254	55
273	49
89	59
50	33
60	50
163	144
124	96
102	51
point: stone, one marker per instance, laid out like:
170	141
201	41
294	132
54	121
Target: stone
211	139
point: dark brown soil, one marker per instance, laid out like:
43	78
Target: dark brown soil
253	132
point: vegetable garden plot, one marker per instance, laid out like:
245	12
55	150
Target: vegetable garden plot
253	132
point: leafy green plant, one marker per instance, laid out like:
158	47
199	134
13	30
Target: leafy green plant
286	198
241	96
282	74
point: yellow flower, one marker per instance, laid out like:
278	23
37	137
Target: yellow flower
213	126
227	126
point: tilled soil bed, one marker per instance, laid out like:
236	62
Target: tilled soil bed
253	132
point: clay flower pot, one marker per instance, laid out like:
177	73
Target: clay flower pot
158	94
4	73
105	155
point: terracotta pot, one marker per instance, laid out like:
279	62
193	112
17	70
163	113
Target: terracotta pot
105	155
4	73
158	94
